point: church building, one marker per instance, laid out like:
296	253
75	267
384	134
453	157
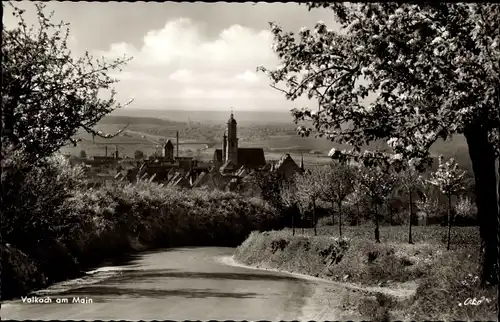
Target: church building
231	157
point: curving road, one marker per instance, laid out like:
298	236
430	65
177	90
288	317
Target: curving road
183	284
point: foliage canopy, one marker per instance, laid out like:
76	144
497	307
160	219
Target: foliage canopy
48	95
434	69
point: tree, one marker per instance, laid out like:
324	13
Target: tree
138	155
410	180
289	198
357	197
47	94
83	154
465	208
377	183
309	190
434	69
338	183
428	201
270	185
450	180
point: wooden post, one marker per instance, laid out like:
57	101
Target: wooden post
177	146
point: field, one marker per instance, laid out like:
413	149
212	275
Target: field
461	237
200	136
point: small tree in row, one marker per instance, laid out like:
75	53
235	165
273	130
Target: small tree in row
357	198
450	180
377	183
309	191
338	183
289	198
410	180
428	202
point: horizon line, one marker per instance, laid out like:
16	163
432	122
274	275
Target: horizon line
200	109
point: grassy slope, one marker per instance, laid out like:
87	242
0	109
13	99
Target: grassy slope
362	262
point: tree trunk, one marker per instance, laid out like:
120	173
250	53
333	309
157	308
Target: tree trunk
314	218
333	213
377	232
498	229
293	223
359	214
390	214
483	164
410	241
498	212
449	222
340	219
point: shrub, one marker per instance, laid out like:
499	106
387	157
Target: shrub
19	272
465	212
32	196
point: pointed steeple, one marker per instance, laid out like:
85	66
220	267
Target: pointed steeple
231	118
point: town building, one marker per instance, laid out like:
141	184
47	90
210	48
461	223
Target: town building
168	151
286	166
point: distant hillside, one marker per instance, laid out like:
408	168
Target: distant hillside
136	120
210	116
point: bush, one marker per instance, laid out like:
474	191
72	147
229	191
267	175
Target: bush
31	199
465	212
19	272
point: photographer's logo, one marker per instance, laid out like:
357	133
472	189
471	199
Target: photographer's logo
474	301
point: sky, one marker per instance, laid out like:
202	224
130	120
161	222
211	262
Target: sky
185	55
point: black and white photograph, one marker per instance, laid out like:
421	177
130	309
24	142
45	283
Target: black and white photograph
257	161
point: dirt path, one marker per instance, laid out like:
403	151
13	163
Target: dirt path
397	290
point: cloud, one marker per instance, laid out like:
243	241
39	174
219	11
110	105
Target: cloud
248	76
180	62
182	75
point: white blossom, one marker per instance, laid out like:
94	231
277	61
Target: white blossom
392	142
332	152
437	40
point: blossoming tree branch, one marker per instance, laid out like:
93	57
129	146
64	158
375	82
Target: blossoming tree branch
434	69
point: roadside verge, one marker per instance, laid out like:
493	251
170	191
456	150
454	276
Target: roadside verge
401	281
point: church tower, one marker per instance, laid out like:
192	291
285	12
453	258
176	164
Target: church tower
168	150
232	140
